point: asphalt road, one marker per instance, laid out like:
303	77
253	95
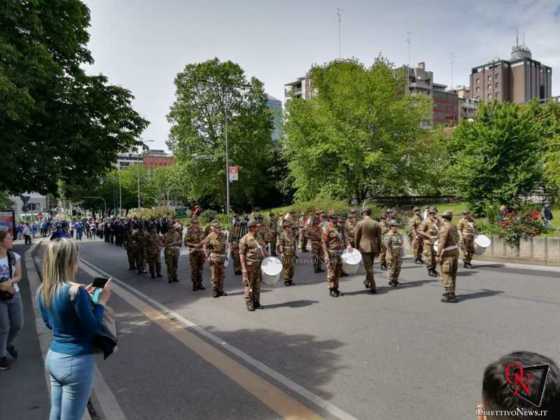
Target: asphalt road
400	354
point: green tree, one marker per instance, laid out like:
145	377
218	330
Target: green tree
498	157
207	94
549	116
56	122
359	135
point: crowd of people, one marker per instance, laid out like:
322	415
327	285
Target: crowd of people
327	236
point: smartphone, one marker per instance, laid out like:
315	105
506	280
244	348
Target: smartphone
99	282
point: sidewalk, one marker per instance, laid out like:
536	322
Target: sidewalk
23	388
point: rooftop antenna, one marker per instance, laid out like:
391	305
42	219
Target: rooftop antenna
523	40
408	41
517	37
452	61
339	15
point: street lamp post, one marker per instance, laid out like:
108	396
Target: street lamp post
227	159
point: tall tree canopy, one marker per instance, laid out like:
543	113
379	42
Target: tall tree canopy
359	135
56	122
207	94
498	157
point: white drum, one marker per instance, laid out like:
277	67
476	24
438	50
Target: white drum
351	260
481	242
436	246
271	268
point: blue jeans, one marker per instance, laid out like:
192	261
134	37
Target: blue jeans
11	322
71	383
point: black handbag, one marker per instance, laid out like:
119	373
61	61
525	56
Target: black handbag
4	294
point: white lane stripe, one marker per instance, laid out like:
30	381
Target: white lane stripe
286	382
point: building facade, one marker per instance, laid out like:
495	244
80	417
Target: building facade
519	79
157	158
275	106
301	88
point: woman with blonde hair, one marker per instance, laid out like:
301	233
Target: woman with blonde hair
11	309
68	310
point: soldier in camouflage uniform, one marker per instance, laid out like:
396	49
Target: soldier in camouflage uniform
172	246
273	228
429	231
139	238
287	250
384	225
153	249
333	246
467	231
315	235
131	246
350	228
416	240
448	256
214	246
234	237
252	252
394	244
302	224
193	241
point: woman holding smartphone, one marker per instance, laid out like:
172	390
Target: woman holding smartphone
68	310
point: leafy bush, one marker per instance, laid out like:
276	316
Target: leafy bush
525	223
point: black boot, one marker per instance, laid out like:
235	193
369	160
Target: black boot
216	293
336	292
373	291
286	283
331	292
250	306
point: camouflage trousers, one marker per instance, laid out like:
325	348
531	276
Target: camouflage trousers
154	265
394	263
171	262
303	240
139	261
417	245
288	265
252	283
449	263
468	248
383	255
235	257
131	258
429	255
217	271
196	261
368	258
334	270
317	254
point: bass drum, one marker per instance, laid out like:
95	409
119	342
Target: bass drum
271	268
481	242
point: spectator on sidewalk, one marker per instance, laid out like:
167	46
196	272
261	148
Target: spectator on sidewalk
11	308
26	230
67	309
547	215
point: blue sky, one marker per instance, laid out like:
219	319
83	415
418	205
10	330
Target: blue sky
143	44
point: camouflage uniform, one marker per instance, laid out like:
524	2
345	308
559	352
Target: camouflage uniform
153	248
416	241
350	229
215	248
448	255
287	249
235	235
384	225
333	246
139	240
172	244
193	241
315	235
252	252
273	228
430	228
394	243
467	230
302	234
129	244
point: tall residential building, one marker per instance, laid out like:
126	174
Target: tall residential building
519	79
467	106
301	88
420	81
275	106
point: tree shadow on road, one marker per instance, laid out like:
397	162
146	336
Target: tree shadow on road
302	358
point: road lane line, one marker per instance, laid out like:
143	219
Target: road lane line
179	327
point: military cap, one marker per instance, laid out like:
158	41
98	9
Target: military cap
286	222
432	210
447	215
258	217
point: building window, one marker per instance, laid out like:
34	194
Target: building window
489	77
477	89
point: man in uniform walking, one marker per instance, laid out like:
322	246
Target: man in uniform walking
448	256
315	235
139	238
416	240
214	246
394	245
172	246
251	253
467	231
193	241
333	246
287	250
429	231
153	249
368	240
